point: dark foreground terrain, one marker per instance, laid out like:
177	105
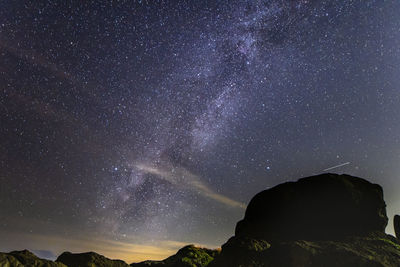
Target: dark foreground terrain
324	220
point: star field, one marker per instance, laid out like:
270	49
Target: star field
134	127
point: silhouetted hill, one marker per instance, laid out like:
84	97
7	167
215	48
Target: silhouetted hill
88	259
25	258
189	256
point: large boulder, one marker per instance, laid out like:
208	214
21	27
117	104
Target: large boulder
88	259
323	207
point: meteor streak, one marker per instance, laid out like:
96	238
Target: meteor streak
337	166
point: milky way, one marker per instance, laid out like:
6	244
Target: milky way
133	128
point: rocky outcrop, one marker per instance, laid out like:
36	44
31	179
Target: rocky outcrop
375	249
88	259
25	258
325	220
396	225
188	256
323	207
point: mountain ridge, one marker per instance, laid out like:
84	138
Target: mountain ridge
322	220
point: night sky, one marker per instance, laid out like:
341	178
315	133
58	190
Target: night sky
133	128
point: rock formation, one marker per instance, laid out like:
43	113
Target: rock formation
322	207
324	220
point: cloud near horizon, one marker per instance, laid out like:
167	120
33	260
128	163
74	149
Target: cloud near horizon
183	177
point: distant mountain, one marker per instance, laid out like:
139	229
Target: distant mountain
25	258
188	256
88	259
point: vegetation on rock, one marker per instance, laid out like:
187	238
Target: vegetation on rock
375	249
